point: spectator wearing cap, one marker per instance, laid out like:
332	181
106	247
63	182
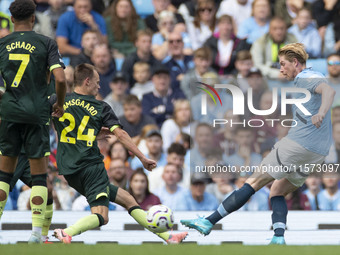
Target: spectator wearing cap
265	49
177	62
159	103
170	193
106	67
143	53
119	87
154	143
133	119
196	198
225	46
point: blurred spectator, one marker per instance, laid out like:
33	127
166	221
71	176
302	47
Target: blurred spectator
203	25
265	49
244	155
177	62
313	183
143	53
267	130
105	66
118	173
329	198
122	24
175	156
54	11
118	151
154	145
43	25
159	103
305	32
197	199
334	151
326	12
203	144
143	85
141	143
160	40
6	25
257	25
333	67
225	46
139	189
89	40
151	21
336	114
69	75
297	200
202	61
133	119
213	111
243	65
180	122
289	9
104	146
239	10
72	24
119	86
187	10
100	5
65	193
225	137
170	193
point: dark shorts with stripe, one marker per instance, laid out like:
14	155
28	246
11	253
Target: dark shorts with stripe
93	183
34	138
22	172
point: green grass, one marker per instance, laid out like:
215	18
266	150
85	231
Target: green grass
159	249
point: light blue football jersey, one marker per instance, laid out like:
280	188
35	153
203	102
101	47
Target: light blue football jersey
314	139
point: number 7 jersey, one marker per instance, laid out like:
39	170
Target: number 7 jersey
26	58
77	130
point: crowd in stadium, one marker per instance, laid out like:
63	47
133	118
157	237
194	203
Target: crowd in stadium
148	65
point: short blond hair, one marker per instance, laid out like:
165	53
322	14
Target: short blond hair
294	50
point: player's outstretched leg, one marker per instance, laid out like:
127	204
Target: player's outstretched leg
279	219
124	199
84	224
232	203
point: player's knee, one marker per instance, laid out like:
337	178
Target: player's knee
3	195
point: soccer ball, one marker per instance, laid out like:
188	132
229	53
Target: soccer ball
159	218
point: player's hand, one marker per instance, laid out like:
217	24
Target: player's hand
317	119
148	164
104	133
58	111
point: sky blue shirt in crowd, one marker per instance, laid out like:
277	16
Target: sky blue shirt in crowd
72	28
188	203
328	203
170	200
314	139
251	30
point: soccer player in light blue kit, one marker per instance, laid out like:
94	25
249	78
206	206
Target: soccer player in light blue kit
306	143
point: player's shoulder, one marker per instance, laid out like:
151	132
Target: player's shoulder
310	73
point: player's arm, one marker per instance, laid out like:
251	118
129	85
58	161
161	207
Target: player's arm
60	88
327	97
126	140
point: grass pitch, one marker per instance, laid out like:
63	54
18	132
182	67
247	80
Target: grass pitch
159	249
